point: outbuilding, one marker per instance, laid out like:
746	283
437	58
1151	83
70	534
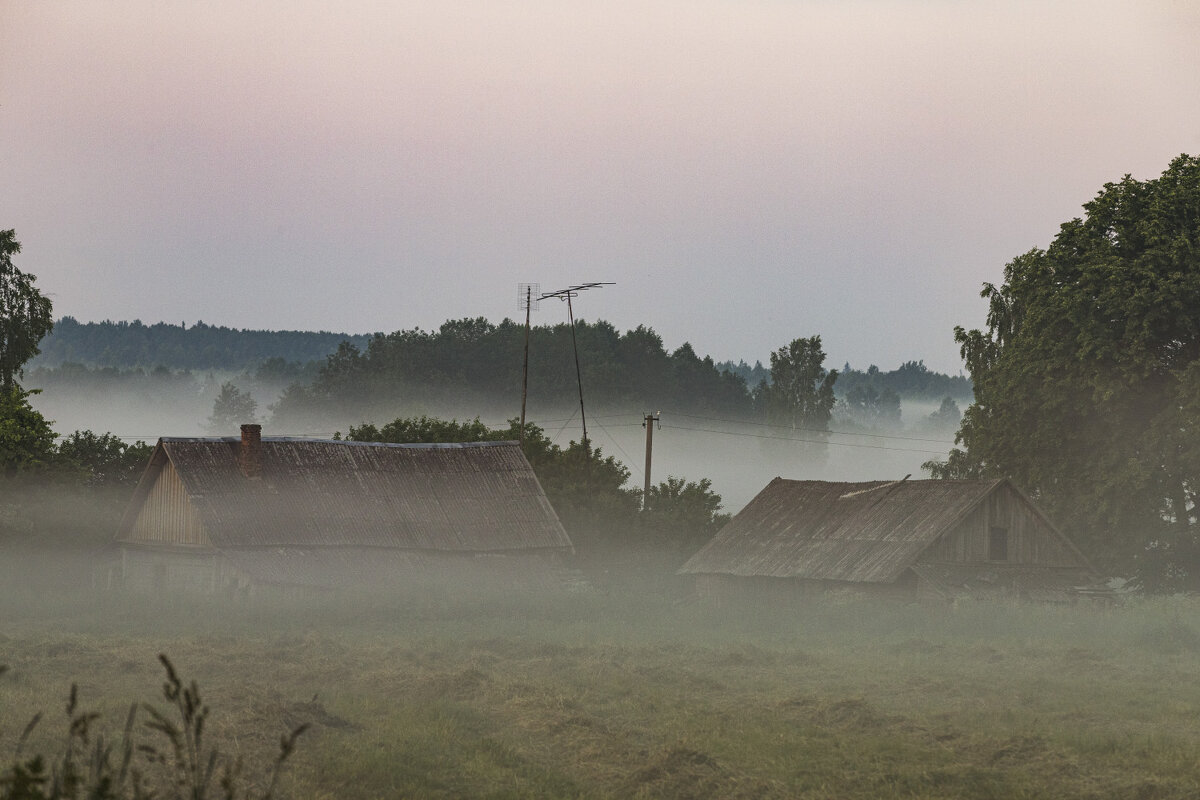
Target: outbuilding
223	514
906	539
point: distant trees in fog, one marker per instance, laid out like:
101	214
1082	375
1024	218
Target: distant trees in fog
800	394
132	345
232	408
472	363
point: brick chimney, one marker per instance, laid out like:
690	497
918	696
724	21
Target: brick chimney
250	456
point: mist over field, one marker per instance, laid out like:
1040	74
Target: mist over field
739	457
632	689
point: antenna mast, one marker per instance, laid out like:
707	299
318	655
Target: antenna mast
567	294
525	301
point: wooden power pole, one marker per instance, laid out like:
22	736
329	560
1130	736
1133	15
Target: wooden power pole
648	424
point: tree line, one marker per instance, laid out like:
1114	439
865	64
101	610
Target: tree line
135	345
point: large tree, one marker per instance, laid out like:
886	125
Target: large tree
24	314
1087	376
800	395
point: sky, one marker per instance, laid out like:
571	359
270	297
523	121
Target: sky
745	173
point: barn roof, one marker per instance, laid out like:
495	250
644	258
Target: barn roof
477	497
863	532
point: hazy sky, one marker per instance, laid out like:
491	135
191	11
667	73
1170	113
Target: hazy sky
746	172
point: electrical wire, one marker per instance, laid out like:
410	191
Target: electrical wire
629	462
809	441
813	430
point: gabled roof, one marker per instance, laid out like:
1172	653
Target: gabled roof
868	532
476	497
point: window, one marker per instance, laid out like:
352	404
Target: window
998	544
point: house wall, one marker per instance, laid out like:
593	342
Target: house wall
158	571
1029	539
167	516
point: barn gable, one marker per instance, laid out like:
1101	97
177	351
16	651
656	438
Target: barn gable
165	514
1005	527
878	532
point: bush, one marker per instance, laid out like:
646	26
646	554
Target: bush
90	767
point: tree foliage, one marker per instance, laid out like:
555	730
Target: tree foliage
105	460
1086	378
231	408
800	395
24	314
469	364
911	380
27	440
131	345
869	407
683	515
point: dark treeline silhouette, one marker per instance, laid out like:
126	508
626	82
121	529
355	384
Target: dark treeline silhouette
470	364
465	367
129	345
912	380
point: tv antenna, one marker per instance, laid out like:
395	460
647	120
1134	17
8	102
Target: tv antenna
567	294
526	301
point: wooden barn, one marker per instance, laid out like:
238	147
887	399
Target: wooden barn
224	514
908	539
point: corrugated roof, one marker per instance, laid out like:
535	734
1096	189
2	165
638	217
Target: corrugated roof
473	497
869	532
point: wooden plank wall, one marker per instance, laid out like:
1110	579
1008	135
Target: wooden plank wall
1030	541
167	516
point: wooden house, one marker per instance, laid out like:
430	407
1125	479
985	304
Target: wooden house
225	514
912	539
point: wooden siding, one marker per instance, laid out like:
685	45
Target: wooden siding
161	571
167	516
1030	540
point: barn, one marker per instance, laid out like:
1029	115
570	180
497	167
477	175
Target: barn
907	539
223	514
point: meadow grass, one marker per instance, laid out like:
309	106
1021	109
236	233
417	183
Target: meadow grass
648	694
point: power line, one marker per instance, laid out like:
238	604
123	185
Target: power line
815	430
816	441
629	461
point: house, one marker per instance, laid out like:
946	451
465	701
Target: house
224	514
912	539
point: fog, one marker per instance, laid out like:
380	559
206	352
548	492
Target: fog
633	687
739	458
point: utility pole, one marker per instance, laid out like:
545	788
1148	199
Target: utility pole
567	294
526	301
648	424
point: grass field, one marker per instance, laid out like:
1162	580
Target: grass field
628	694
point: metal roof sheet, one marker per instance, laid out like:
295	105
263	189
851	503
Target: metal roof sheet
469	497
824	530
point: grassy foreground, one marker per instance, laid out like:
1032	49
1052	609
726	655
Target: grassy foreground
639	695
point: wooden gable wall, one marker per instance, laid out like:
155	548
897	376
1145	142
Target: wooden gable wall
1029	539
167	516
